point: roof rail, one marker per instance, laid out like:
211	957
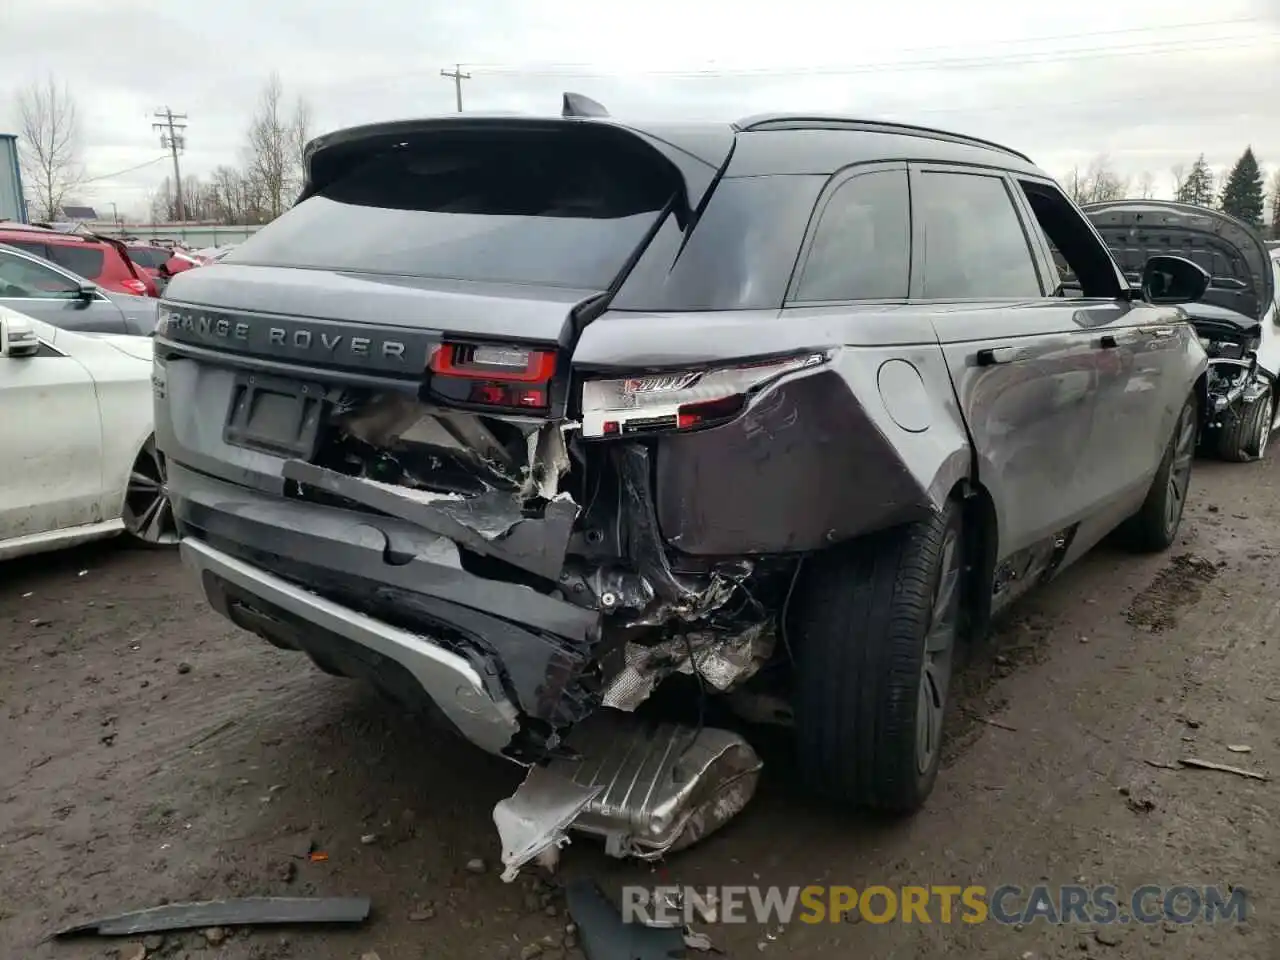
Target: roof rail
811	121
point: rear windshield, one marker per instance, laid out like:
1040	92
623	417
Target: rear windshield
150	257
541	210
85	261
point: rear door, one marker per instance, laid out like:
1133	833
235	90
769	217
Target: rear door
42	291
1024	365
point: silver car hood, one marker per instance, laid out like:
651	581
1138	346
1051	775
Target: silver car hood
1233	252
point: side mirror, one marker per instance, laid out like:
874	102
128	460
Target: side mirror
87	290
17	336
1167	279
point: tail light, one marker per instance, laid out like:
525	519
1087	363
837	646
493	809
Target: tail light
135	286
502	375
686	400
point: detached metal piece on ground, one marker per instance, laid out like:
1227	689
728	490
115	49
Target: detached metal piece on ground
246	912
534	819
664	787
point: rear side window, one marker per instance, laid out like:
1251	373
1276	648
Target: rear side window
150	257
862	247
739	255
83	260
974	244
1085	266
39	249
563	210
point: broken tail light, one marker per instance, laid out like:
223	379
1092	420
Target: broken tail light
685	400
504	376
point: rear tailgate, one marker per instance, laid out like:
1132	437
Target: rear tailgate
453	263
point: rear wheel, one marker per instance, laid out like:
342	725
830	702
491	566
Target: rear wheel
1155	526
1246	435
148	514
877	626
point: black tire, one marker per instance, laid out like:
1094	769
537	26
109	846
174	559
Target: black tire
864	683
1155	526
1245	435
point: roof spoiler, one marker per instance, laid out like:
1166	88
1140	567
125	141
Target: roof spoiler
576	105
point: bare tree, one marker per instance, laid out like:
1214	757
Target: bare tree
1179	171
1102	182
50	146
1146	185
1099	182
301	133
274	148
1073	183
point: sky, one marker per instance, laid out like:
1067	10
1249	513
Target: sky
1149	83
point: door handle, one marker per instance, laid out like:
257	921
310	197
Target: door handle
1157	331
992	355
1108	342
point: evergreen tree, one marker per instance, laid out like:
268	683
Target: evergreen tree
1197	188
1275	205
1242	194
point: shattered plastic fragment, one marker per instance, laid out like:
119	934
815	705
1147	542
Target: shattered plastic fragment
533	820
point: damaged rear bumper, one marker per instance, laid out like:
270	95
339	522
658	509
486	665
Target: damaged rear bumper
243	592
378	598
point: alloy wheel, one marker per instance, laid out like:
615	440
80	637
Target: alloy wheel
148	514
939	654
1184	448
1265	421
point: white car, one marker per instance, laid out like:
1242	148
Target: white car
79	459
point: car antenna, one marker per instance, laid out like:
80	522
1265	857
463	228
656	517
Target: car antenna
576	105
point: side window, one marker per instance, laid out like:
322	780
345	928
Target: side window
862	247
39	249
1085	265
82	259
974	244
20	277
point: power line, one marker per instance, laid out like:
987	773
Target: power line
1090	35
108	176
1151	48
457	76
175	140
1141	48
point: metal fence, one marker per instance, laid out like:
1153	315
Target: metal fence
193	235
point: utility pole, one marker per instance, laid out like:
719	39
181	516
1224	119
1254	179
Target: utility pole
457	76
173	139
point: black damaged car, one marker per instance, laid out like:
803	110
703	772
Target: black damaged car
1238	318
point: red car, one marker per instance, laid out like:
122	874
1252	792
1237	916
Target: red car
160	264
104	260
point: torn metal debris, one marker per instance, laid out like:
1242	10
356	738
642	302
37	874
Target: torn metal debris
532	821
721	660
645	790
245	912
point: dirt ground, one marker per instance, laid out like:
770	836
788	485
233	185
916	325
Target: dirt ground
154	753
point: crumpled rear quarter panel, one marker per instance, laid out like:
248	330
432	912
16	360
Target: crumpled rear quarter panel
809	465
